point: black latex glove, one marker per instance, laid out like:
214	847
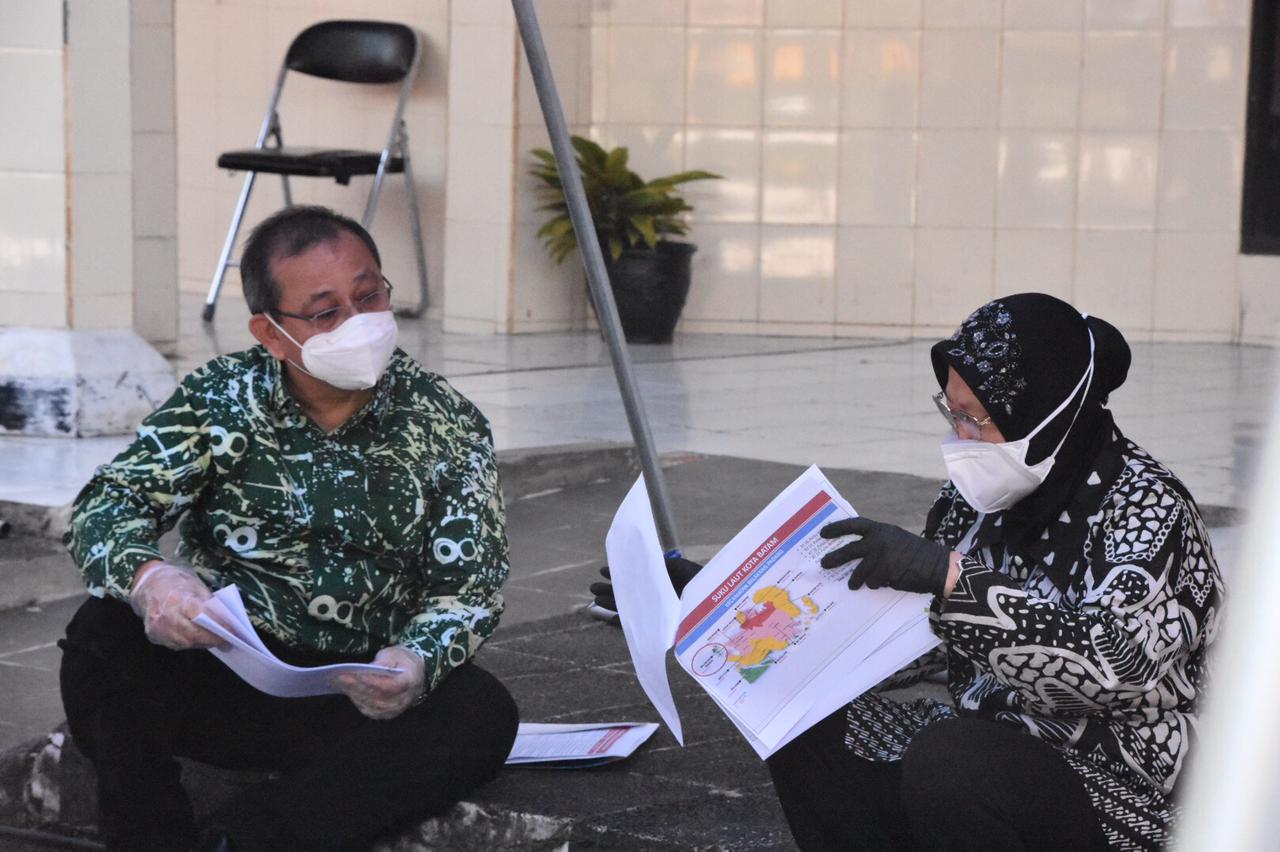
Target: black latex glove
890	556
679	569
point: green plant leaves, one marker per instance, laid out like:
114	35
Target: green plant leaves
627	211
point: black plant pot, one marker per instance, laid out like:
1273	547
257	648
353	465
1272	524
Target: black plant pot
650	287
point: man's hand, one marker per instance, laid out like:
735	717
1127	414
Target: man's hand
890	556
167	598
385	696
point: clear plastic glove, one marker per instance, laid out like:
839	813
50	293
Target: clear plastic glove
167	598
385	696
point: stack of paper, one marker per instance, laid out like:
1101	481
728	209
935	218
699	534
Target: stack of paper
225	617
775	639
548	746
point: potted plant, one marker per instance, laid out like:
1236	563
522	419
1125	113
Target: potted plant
648	272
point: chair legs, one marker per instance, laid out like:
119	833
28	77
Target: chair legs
224	260
415	223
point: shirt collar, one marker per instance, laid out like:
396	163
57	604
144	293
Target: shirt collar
374	411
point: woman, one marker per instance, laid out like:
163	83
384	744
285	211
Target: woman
1076	594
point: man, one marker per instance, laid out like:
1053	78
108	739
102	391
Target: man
353	499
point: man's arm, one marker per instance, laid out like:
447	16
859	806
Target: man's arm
465	565
118	517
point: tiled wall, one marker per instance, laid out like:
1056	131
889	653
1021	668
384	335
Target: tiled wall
227	54
891	164
33	184
87	232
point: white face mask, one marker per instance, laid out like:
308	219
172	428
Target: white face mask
993	477
354	355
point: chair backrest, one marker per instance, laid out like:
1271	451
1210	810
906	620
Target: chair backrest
354	51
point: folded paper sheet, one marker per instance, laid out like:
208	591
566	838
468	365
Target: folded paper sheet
558	746
224	616
776	640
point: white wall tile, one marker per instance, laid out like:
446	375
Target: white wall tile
480	174
492	12
880	78
476	270
1035	260
1123	78
956	178
34	310
562	45
801	78
649	12
101	235
646	75
1115	277
962	14
481	75
959	84
725	82
31	24
797	273
1259	301
1043	14
1040	79
1036	179
1125	15
877	177
102	310
730	13
1200	178
726	273
953	274
31	100
875	275
802	13
1205	77
33	234
882	13
1209	13
155	199
799	177
1117	180
155	297
1195	278
734	154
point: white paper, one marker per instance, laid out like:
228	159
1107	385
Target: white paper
647	605
778	642
581	745
224	616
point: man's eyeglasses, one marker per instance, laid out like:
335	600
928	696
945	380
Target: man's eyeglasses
963	424
328	320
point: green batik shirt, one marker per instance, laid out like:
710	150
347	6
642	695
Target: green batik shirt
388	530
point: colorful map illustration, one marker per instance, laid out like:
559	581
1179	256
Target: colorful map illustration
765	628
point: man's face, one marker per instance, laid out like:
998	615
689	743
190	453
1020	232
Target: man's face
333	274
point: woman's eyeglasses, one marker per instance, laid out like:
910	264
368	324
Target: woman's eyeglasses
963	424
328	320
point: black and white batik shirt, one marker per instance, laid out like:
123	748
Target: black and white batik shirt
1092	638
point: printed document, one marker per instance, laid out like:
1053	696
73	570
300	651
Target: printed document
775	639
224	616
551	746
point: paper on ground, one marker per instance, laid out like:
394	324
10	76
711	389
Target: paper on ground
567	746
641	587
224	616
777	641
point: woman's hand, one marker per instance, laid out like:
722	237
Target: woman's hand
890	556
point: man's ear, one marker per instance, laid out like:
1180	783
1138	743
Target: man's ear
269	336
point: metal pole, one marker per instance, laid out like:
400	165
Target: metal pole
593	260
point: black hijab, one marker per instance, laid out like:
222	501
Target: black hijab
1022	355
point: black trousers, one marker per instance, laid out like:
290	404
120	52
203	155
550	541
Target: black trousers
344	780
963	784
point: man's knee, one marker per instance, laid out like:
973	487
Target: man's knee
479	712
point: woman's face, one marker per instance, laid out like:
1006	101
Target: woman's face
961	399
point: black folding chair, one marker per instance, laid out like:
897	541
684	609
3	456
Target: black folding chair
373	52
